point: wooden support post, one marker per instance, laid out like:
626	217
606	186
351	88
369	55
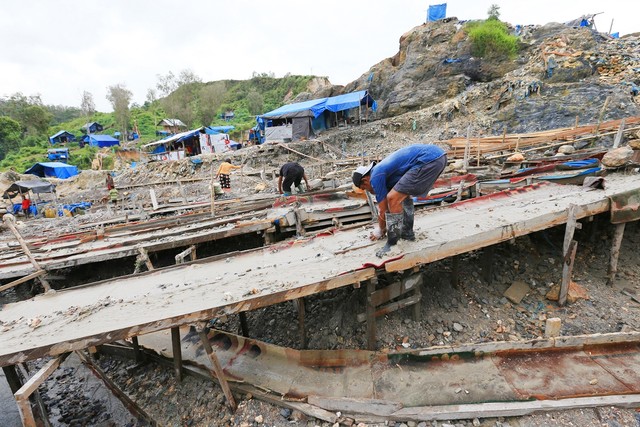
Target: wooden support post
9	221
136	349
244	325
177	352
22	280
213	193
487	263
417	293
299	303
615	252
190	251
154	200
217	369
569	248
145	257
371	314
601	116
455	271
299	228
22	395
13	379
467	149
618	138
182	192
459	194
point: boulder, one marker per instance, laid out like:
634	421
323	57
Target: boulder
617	157
566	149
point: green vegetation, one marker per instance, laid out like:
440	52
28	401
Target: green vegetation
26	124
491	39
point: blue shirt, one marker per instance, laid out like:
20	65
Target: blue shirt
388	172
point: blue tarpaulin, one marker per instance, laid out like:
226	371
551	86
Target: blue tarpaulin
313	107
100	140
437	12
213	130
53	169
61	137
350	100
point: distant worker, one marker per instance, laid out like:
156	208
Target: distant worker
110	183
113	196
291	173
224	174
409	171
26	205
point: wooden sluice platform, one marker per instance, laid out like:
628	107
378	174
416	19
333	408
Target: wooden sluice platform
90	315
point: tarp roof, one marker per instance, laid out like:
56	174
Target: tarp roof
171	122
102	140
53	169
313	107
316	107
26	186
62	132
350	100
218	129
175	138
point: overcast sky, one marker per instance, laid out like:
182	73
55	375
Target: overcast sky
58	49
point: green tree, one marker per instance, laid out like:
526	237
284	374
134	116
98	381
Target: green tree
255	102
209	101
494	12
29	112
10	135
120	97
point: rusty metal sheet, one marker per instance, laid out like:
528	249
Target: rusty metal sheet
625	207
555	374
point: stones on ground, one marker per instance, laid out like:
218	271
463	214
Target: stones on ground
516	292
457	327
574	293
566	149
552	327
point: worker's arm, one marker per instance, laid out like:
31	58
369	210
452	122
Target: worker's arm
379	232
280	184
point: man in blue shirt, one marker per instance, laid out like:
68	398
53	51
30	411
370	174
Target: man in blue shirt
409	171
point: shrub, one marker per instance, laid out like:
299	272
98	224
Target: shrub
491	39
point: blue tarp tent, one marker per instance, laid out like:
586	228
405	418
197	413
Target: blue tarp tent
351	100
62	137
313	107
437	12
213	130
53	169
101	140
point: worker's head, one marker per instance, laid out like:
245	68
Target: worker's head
362	175
227	160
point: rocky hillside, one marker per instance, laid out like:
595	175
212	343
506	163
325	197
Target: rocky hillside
561	73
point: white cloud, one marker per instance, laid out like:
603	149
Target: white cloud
60	49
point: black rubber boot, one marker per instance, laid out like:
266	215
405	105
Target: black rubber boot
394	228
407	225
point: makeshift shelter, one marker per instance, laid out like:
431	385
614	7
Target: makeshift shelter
53	169
92	127
304	119
100	140
62	137
58	154
22	187
172	126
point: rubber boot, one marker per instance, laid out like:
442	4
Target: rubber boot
407	224
299	188
394	229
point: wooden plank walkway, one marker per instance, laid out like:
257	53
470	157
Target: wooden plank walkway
103	312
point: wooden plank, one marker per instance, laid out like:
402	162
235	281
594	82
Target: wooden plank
511	409
217	369
22	280
9	221
355	406
177	353
30	386
567	272
616	243
371	317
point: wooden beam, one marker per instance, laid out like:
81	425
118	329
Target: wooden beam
300	306
371	314
9	221
217	369
567	272
22	395
22	280
177	352
615	252
244	325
